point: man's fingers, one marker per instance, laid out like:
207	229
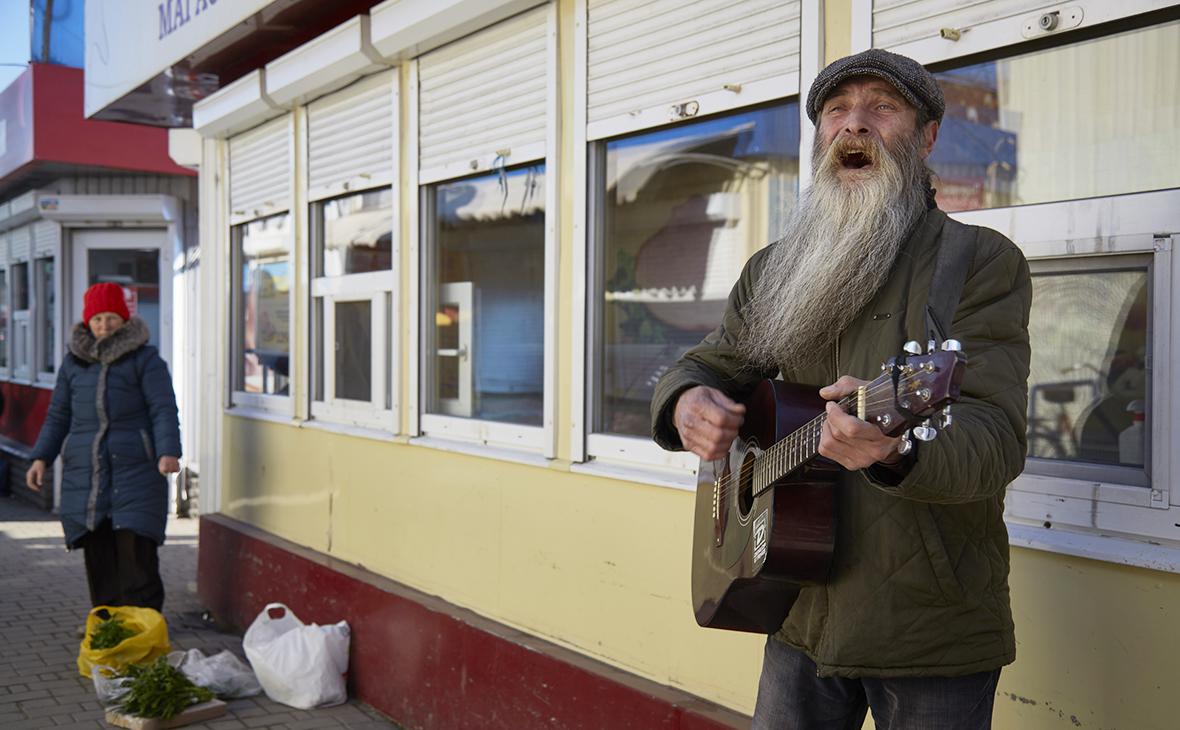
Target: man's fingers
845	385
726	402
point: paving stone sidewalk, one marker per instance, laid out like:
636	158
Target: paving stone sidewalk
44	601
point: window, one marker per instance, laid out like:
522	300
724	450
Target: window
21	357
352	261
484	319
262	305
46	335
4	339
1083	178
1104	127
682	209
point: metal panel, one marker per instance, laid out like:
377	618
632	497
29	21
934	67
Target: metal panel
4	248
260	170
46	237
484	96
915	27
350	135
18	242
647	56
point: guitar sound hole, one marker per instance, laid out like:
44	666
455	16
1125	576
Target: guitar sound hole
745	498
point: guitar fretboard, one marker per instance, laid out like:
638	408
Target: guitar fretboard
792	452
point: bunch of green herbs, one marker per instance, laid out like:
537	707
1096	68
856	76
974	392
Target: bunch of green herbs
110	633
159	690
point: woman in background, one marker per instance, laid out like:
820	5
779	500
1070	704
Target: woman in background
113	420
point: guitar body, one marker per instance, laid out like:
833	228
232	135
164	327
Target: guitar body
752	552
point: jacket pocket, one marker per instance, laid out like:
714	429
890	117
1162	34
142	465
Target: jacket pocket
147	445
940	560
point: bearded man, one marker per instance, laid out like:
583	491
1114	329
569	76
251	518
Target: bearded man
914	620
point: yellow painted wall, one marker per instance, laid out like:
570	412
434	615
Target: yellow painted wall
598	565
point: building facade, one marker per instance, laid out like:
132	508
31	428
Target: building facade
450	246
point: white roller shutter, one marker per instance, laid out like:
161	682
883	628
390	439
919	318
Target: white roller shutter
655	61
260	171
4	249
18	242
350	137
46	237
915	27
483	97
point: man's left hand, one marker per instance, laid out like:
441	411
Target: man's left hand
847	440
168	465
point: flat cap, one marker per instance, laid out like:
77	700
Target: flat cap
910	78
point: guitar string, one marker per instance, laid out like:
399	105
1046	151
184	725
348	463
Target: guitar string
744	471
747	467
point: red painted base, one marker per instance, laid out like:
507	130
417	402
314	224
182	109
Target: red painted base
427	663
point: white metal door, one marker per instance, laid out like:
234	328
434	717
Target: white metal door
138	260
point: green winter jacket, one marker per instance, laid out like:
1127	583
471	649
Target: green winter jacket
919	579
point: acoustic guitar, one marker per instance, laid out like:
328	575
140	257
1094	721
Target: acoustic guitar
765	515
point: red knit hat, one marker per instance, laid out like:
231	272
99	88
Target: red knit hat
104	297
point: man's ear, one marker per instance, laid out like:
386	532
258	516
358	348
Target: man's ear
929	137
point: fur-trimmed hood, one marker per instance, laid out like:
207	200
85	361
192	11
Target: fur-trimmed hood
127	339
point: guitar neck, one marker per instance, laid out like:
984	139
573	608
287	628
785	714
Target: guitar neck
793	451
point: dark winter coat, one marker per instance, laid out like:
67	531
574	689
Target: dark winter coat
919	582
112	416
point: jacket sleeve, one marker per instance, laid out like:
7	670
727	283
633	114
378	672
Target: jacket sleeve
713	362
156	384
57	419
984	449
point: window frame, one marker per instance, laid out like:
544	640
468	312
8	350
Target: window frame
474	435
1080	231
46	346
21	325
267	402
6	304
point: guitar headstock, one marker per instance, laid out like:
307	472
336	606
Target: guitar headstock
926	385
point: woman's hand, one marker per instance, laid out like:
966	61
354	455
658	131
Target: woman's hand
35	476
168	465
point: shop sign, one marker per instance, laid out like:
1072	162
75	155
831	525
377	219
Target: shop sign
130	42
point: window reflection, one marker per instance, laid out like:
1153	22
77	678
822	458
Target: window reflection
685	206
488	325
357	233
1088	387
1084	120
264	311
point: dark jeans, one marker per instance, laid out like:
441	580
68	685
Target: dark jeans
792	697
122	568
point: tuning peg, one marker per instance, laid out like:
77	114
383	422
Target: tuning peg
952	345
931	346
912	347
925	432
905	445
947	420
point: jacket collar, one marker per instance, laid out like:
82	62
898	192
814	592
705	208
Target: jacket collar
128	338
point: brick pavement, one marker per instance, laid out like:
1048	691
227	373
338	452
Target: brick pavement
43	602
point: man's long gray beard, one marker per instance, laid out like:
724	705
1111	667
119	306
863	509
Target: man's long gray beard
838	250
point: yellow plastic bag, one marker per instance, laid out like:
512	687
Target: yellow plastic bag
150	639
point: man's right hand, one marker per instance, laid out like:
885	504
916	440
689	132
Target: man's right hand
35	476
707	421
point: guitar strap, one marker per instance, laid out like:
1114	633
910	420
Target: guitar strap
955	255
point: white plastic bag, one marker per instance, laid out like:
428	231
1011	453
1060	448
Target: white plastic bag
297	664
223	673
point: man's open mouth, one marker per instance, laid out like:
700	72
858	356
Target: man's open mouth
855	160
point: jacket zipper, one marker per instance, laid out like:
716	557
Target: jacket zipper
827	592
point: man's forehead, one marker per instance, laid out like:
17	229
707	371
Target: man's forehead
868	83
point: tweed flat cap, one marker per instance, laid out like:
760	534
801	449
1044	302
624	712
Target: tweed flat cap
910	78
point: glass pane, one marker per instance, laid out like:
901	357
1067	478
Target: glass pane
20	287
1083	120
684	207
3	319
354	336
46	296
138	272
490	239
263	308
1088	397
356	233
317	349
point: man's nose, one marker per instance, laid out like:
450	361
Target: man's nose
857	121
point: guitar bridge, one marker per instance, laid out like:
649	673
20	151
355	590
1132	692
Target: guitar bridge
718	520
